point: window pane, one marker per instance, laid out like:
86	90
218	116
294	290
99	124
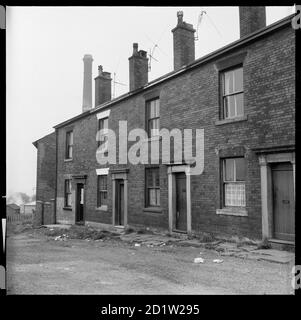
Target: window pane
154	127
229	170
149	178
235	194
239	100
158	108
152	110
158	197
103	198
70	152
238	80
69	198
229	107
240	169
98	183
228	82
105	123
71	137
67	186
100	124
152	197
157	177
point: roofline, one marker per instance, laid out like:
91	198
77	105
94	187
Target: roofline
233	45
35	143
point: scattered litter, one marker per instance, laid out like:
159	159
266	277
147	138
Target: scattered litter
218	260
61	238
51	229
201	252
66	268
198	260
137	245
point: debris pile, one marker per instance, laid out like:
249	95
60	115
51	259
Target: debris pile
63	237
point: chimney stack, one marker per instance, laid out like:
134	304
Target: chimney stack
251	19
103	91
87	87
138	64
183	43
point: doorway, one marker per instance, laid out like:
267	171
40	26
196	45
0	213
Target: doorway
79	216
181	202
119	205
283	201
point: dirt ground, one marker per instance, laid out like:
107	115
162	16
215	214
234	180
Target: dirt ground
37	264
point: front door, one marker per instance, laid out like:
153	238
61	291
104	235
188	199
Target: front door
79	203
181	207
283	201
119	212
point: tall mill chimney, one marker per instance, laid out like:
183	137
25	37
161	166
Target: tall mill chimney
102	87
183	43
251	19
138	64
87	87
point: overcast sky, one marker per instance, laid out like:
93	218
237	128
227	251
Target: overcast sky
45	47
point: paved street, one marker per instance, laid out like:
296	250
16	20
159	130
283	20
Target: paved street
37	264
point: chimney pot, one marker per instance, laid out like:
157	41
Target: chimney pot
135	48
180	17
142	53
103	91
183	43
138	65
100	70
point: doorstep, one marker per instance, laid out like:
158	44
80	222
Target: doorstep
283	245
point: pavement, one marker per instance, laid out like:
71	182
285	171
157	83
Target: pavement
222	248
246	249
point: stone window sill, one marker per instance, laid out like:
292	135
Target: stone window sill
67	208
102	208
155	138
68	160
233	211
233	120
153	209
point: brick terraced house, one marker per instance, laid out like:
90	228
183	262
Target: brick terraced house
242	96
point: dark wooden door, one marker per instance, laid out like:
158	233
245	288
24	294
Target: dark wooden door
181	208
119	212
80	203
283	201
